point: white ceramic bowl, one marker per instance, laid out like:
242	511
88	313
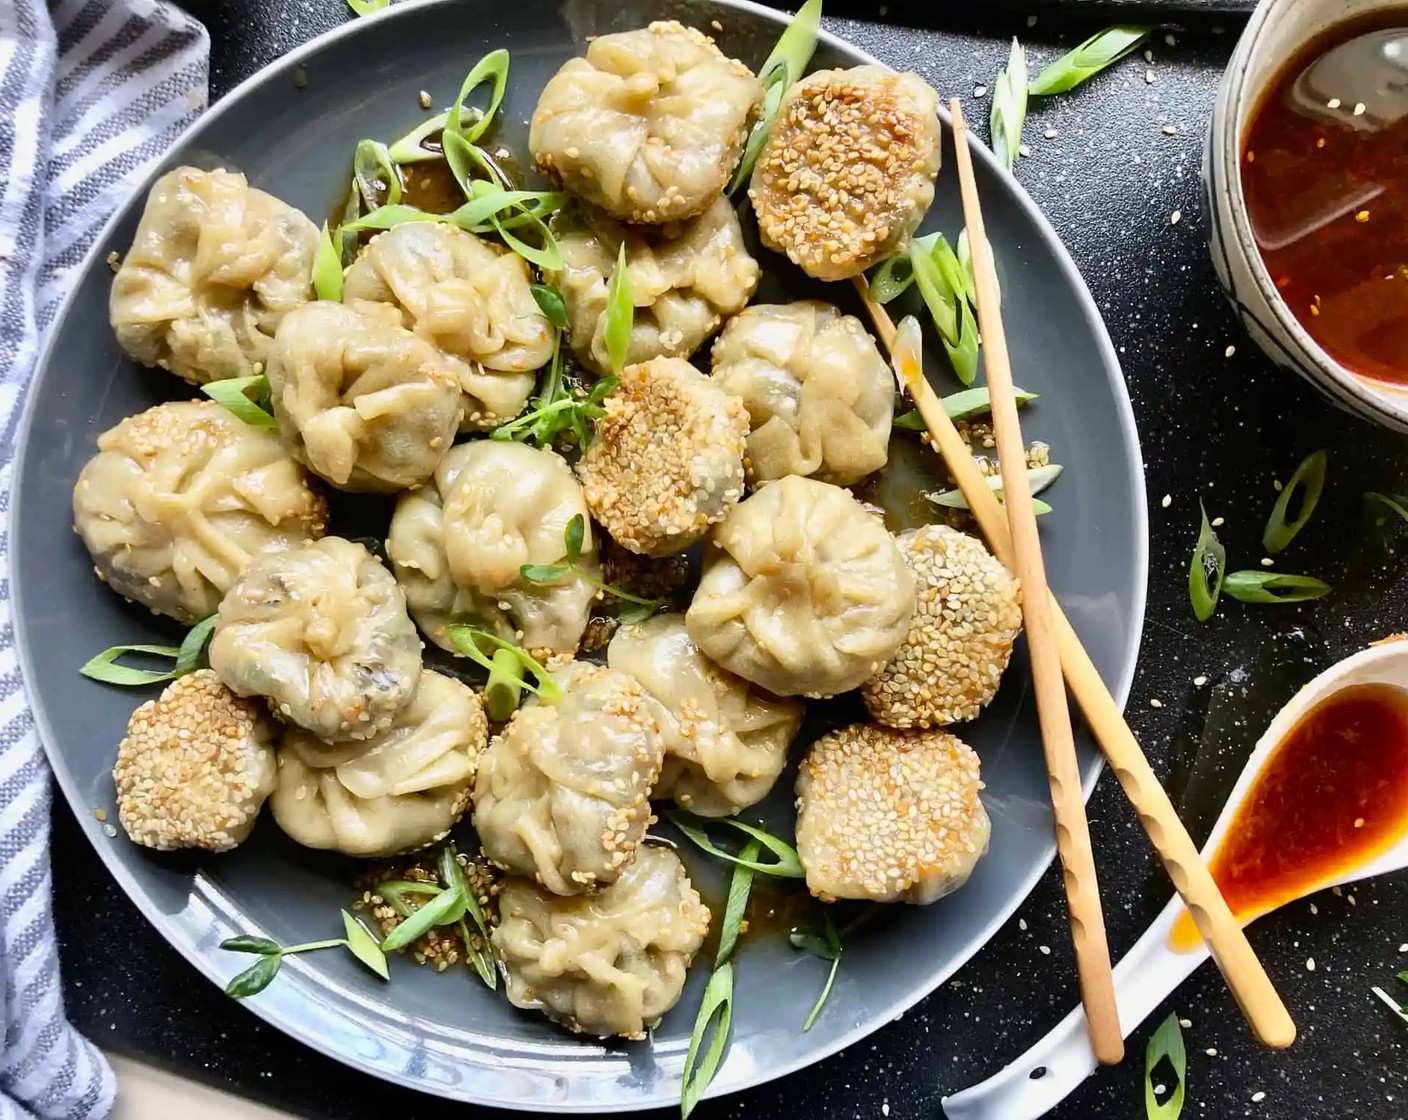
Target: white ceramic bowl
1277	31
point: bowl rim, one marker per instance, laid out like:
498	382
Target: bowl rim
1241	102
207	904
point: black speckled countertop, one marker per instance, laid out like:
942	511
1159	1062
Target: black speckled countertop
1217	423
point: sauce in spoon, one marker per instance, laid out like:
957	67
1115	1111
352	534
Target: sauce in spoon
1333	795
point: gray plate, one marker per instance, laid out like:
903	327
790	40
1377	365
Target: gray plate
446	1034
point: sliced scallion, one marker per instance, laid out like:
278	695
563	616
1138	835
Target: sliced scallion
1256	585
1206	570
1102	49
1009	106
1306	484
241	396
327	268
620	313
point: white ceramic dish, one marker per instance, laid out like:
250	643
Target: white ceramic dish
1277	31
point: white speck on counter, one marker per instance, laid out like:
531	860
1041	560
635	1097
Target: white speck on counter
1185	1023
1051	134
1315	910
1175	217
1045	950
1156	703
1022	925
1167	501
1023	150
1258	1097
1211	1051
1217	522
1309	964
884	1108
1169	130
1149	77
1199	681
1229	351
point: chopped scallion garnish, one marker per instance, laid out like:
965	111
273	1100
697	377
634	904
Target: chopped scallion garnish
1009	106
1205	570
1306	484
1258	586
1165	1044
1102	49
248	398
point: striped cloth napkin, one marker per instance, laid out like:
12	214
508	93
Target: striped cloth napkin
90	92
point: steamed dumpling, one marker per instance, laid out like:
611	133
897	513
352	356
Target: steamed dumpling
820	398
321	632
667	460
889	816
458	543
362	401
803	592
685	278
214	267
649	125
470	299
180	498
608	964
398	791
847	173
725	740
563	792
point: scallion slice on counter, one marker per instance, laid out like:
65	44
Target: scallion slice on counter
787	62
327	268
1206	570
245	397
1258	586
1306	485
367	7
1393	503
1102	49
1165	1043
1009	106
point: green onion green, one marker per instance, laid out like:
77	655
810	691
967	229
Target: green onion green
1206	570
573	538
411	147
440	910
736	907
504	690
1394	503
1260	586
786	865
363	946
366	8
374	175
327	268
828	948
714	1021
787	63
1307	484
1038	478
620	314
1009	106
1166	1043
1392	1004
492	68
481	956
186	658
963	405
466	639
551	304
242	396
1102	49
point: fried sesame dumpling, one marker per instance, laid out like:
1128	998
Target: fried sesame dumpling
180	498
362	401
195	767
820	398
321	631
214	267
667	458
398	791
649	125
471	300
611	963
803	592
967	615
562	795
685	278
889	816
458	544
725	740
848	170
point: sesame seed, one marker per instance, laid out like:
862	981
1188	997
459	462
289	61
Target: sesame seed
1050	134
1186	1024
1166	501
1172	130
1359	109
424	99
1309	964
1156	703
1199	681
1211	1051
979	91
1267	562
1170	40
1217	522
1149	77
1229	351
1045	950
1175	217
1333	103
1148	55
1258	1097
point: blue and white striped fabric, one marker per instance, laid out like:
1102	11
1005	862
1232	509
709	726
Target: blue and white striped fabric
90	92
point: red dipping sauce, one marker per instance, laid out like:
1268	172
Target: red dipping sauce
1333	795
1325	176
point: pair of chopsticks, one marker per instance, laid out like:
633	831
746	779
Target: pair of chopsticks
1011	532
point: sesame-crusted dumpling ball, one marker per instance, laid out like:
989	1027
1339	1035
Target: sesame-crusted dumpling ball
685	279
848	170
321	632
396	792
180	498
725	740
563	792
458	546
194	767
889	816
649	125
967	615
471	300
667	459
362	401
803	592
820	398
214	267
611	963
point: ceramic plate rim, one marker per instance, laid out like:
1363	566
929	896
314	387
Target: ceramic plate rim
202	961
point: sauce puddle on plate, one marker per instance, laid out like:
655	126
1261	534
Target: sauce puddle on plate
1333	795
1324	172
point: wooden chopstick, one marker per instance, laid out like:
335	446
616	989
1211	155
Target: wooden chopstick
1097	984
1245	977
